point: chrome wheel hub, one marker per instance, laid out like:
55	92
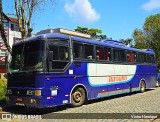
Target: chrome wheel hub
77	96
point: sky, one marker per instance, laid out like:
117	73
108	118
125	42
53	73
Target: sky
116	18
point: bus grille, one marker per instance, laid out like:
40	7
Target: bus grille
21	80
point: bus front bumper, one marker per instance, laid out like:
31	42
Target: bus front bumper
36	102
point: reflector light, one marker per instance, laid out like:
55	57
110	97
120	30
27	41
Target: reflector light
48	79
38	92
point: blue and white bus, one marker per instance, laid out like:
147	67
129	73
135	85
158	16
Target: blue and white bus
53	69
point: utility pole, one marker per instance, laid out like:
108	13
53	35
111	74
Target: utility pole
3	36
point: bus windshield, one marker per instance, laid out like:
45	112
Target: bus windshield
27	56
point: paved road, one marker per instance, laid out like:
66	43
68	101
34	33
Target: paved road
148	102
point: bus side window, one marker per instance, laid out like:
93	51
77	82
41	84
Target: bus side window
123	55
139	58
116	55
108	54
63	53
150	58
77	48
55	50
119	55
99	53
135	56
142	58
145	58
88	52
130	57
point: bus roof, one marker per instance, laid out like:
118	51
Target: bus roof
105	42
43	36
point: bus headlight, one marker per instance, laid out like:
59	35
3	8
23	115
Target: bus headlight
8	91
38	92
30	92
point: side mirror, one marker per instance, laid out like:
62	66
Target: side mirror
50	55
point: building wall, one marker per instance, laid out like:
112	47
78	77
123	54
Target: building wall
3	48
12	34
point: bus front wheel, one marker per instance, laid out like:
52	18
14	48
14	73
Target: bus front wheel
78	97
142	86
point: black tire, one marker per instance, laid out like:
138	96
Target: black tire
78	97
142	86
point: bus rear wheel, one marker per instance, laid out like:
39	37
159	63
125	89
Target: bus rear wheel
142	86
78	97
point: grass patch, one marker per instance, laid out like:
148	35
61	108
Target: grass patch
3	85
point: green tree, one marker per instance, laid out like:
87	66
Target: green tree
139	39
81	30
94	32
127	41
149	36
3	85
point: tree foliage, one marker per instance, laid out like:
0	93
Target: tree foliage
3	85
24	12
94	32
127	41
149	36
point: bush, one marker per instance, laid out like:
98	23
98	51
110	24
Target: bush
3	85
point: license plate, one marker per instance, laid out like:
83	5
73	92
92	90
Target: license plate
19	99
20	104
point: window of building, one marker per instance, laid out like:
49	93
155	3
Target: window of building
5	25
16	27
12	27
2	52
